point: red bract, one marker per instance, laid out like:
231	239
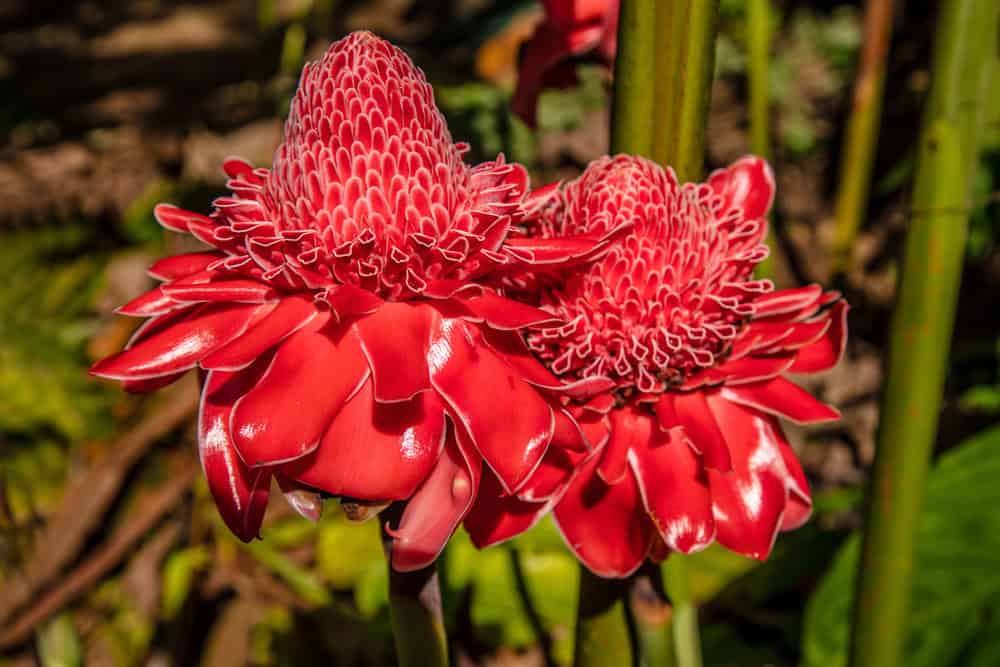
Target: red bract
571	29
349	344
688	444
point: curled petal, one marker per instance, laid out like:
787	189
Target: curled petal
630	429
240	492
799	507
747	185
748	503
783	398
291	314
828	350
182	266
181	345
496	517
395	340
312	375
701	428
375	451
437	507
240	291
507	314
605	526
153	302
470	377
675	491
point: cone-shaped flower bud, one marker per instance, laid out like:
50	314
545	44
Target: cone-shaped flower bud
351	345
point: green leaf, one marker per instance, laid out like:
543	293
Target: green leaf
58	643
178	575
346	551
957	578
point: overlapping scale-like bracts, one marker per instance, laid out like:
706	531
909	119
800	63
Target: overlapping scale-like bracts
688	448
343	313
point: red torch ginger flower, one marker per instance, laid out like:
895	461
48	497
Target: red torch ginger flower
348	343
688	444
570	29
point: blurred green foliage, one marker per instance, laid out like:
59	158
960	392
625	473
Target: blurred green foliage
956	596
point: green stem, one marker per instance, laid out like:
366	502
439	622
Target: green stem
603	636
687	644
758	60
685	65
632	106
652	614
415	611
861	137
922	325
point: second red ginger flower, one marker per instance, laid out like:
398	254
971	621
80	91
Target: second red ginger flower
688	444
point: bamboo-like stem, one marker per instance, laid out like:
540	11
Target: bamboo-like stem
651	613
758	59
922	325
632	106
861	136
685	65
415	610
687	642
603	635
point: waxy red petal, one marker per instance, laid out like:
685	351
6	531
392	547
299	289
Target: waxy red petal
181	266
312	375
828	350
630	429
693	413
375	451
748	502
240	492
787	301
605	526
395	339
799	507
471	379
496	516
507	314
675	491
180	346
437	507
291	314
747	184
148	304
784	398
240	291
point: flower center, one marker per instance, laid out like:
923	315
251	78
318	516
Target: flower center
668	299
368	189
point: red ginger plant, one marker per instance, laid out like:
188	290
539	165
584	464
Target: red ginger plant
570	29
351	345
688	446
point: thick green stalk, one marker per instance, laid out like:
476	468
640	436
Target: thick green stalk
685	65
758	58
603	636
922	325
632	106
651	613
687	643
861	137
415	610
